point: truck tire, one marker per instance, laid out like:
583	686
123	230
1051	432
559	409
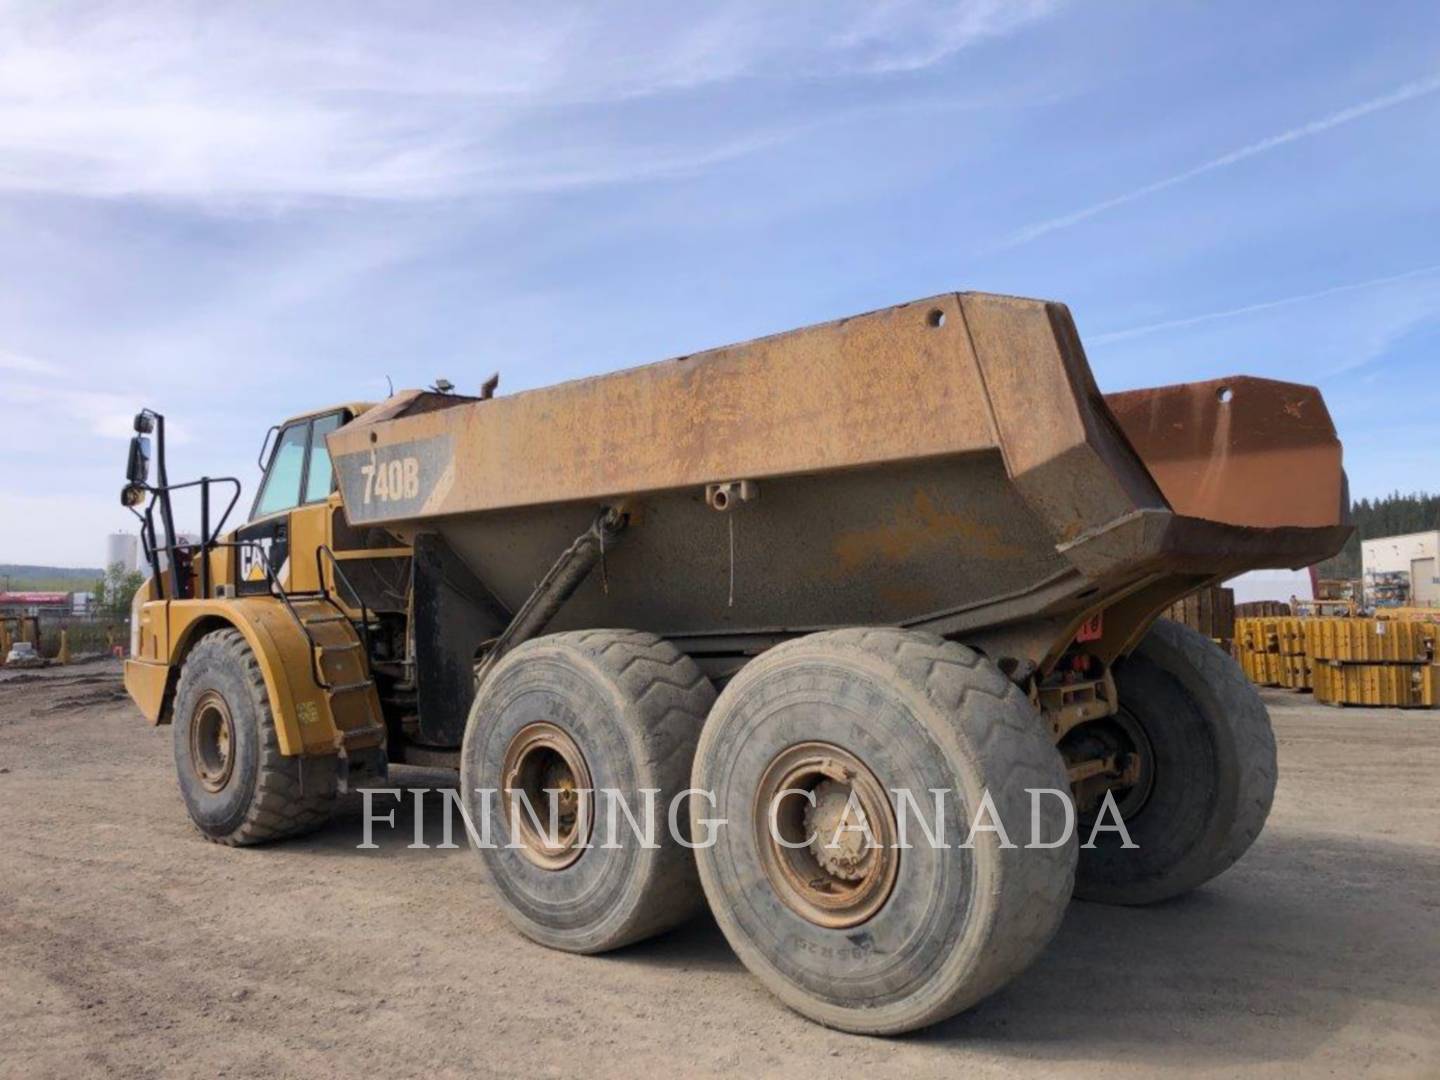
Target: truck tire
237	785
587	711
1212	771
889	939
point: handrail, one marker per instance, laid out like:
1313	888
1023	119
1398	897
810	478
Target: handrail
172	547
278	590
324	552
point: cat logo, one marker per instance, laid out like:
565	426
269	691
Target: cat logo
255	558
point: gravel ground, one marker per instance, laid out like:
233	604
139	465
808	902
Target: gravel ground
130	947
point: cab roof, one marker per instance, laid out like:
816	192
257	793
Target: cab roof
355	408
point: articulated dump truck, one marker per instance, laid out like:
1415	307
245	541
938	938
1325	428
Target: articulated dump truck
869	610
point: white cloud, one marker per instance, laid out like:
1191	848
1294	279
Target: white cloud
1323	337
1267	305
241	104
73	411
26	365
1408	92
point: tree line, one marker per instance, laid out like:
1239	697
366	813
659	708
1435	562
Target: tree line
1390	515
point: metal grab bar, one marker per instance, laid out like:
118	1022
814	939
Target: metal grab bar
322	553
172	547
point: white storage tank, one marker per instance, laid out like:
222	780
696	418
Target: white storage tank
122	548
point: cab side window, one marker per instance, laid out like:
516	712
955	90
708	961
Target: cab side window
320	473
281	489
300	470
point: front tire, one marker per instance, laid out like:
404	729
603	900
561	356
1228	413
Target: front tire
237	785
1212	771
880	940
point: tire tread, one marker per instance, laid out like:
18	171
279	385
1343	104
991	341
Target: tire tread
280	807
1254	740
669	698
995	722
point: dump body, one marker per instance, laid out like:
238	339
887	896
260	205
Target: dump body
947	464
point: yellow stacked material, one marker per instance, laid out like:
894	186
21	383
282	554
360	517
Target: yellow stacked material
1409	614
1371	641
1295	672
1253	640
1261	668
1375	661
1271	651
1250	636
1346	661
1294	661
1407	686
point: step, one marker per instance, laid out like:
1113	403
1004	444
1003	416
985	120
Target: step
346	688
345	739
316	620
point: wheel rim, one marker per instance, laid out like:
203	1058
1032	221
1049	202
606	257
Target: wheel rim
826	834
1132	799
212	741
542	758
1122	737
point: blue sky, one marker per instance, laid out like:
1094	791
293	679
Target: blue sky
232	213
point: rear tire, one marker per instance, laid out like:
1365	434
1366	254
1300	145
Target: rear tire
893	940
592	709
237	785
1214	771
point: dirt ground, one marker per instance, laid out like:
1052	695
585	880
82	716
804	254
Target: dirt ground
129	946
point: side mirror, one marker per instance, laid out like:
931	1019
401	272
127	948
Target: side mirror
137	469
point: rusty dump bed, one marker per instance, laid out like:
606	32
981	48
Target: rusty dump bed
947	464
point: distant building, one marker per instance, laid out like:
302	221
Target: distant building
34	603
1401	570
122	548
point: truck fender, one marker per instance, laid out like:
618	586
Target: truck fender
304	723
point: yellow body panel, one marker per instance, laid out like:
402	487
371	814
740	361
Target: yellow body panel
306	722
309	529
146	682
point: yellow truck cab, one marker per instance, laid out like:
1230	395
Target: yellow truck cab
270	620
